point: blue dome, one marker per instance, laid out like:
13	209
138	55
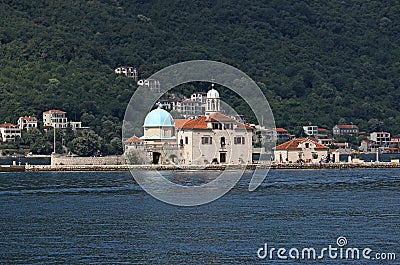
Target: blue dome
157	118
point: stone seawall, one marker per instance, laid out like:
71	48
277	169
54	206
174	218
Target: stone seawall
81	161
122	167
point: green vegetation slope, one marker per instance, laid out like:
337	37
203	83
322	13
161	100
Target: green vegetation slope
319	62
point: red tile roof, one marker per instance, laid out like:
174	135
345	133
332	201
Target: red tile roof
180	122
280	130
7	124
201	122
216	116
345	126
198	123
134	139
54	111
294	143
29	118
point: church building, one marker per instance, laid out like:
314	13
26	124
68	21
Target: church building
211	138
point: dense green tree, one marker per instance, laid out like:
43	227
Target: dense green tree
316	61
87	143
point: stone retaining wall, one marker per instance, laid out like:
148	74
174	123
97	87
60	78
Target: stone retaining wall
70	161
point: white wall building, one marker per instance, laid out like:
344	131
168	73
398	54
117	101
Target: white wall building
310	130
55	118
210	138
307	150
381	138
9	132
27	122
214	138
128	71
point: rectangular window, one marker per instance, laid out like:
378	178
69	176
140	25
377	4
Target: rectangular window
206	140
186	140
238	140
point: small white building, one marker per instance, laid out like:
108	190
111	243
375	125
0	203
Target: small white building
297	150
27	122
9	132
77	125
310	130
152	84
128	71
55	118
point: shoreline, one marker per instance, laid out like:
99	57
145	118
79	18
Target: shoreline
40	168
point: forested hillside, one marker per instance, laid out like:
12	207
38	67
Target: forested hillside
318	62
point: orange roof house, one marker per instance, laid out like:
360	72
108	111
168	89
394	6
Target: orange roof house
301	150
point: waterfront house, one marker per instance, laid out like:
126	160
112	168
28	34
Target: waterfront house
300	150
381	138
367	146
395	140
9	131
27	122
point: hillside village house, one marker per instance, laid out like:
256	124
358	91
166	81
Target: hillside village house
55	118
310	130
9	132
281	134
189	108
213	137
296	150
152	84
344	129
128	71
326	141
27	122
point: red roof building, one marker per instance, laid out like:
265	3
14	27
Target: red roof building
301	150
9	131
344	129
27	122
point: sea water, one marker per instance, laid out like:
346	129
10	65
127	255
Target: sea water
106	218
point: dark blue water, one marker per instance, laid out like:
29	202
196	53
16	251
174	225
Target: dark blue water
25	160
105	218
371	157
